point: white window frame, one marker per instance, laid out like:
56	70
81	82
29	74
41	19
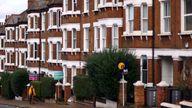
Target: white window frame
35	50
51	18
102	2
103	42
74	5
17	33
144	19
183	15
58	53
164	18
74	38
43	21
96	38
115	2
65	39
86	39
20	59
16	58
74	73
86	6
141	65
96	4
129	20
43	54
65	5
25	58
58	20
65	74
50	51
35	22
115	36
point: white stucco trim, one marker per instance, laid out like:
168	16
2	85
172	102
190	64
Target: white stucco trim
138	33
137	3
55	9
9	49
110	4
70	64
70	26
22	50
87	25
54	40
174	53
109	22
22	25
31	41
9	28
72	12
33	14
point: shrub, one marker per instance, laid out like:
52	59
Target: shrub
83	88
37	87
105	75
47	87
19	81
6	86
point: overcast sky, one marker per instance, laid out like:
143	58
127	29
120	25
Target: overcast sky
8	7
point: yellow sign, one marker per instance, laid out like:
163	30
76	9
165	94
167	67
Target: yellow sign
121	65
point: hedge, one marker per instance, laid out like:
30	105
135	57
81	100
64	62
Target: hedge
37	87
47	87
21	76
103	70
83	88
6	86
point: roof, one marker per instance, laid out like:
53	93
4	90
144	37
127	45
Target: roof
12	20
44	4
2	30
55	3
23	17
38	5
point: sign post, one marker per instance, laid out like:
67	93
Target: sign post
124	69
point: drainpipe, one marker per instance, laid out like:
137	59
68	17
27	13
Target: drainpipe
153	43
39	22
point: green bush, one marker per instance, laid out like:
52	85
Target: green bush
37	87
83	88
103	71
47	87
19	81
6	86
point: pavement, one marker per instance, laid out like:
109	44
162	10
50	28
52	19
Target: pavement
25	104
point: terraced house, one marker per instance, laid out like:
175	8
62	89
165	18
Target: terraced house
57	35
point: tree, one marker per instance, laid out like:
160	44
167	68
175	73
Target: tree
19	81
103	71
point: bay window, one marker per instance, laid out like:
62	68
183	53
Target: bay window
130	19
187	15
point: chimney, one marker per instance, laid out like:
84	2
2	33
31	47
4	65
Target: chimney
1	23
30	2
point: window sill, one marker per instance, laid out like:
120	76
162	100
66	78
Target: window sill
168	34
136	34
32	59
54	61
33	30
107	5
97	50
85	13
71	50
54	27
71	13
185	34
9	64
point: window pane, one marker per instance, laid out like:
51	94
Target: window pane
144	62
167	8
167	24
145	13
131	12
188	6
145	26
130	26
144	76
188	23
